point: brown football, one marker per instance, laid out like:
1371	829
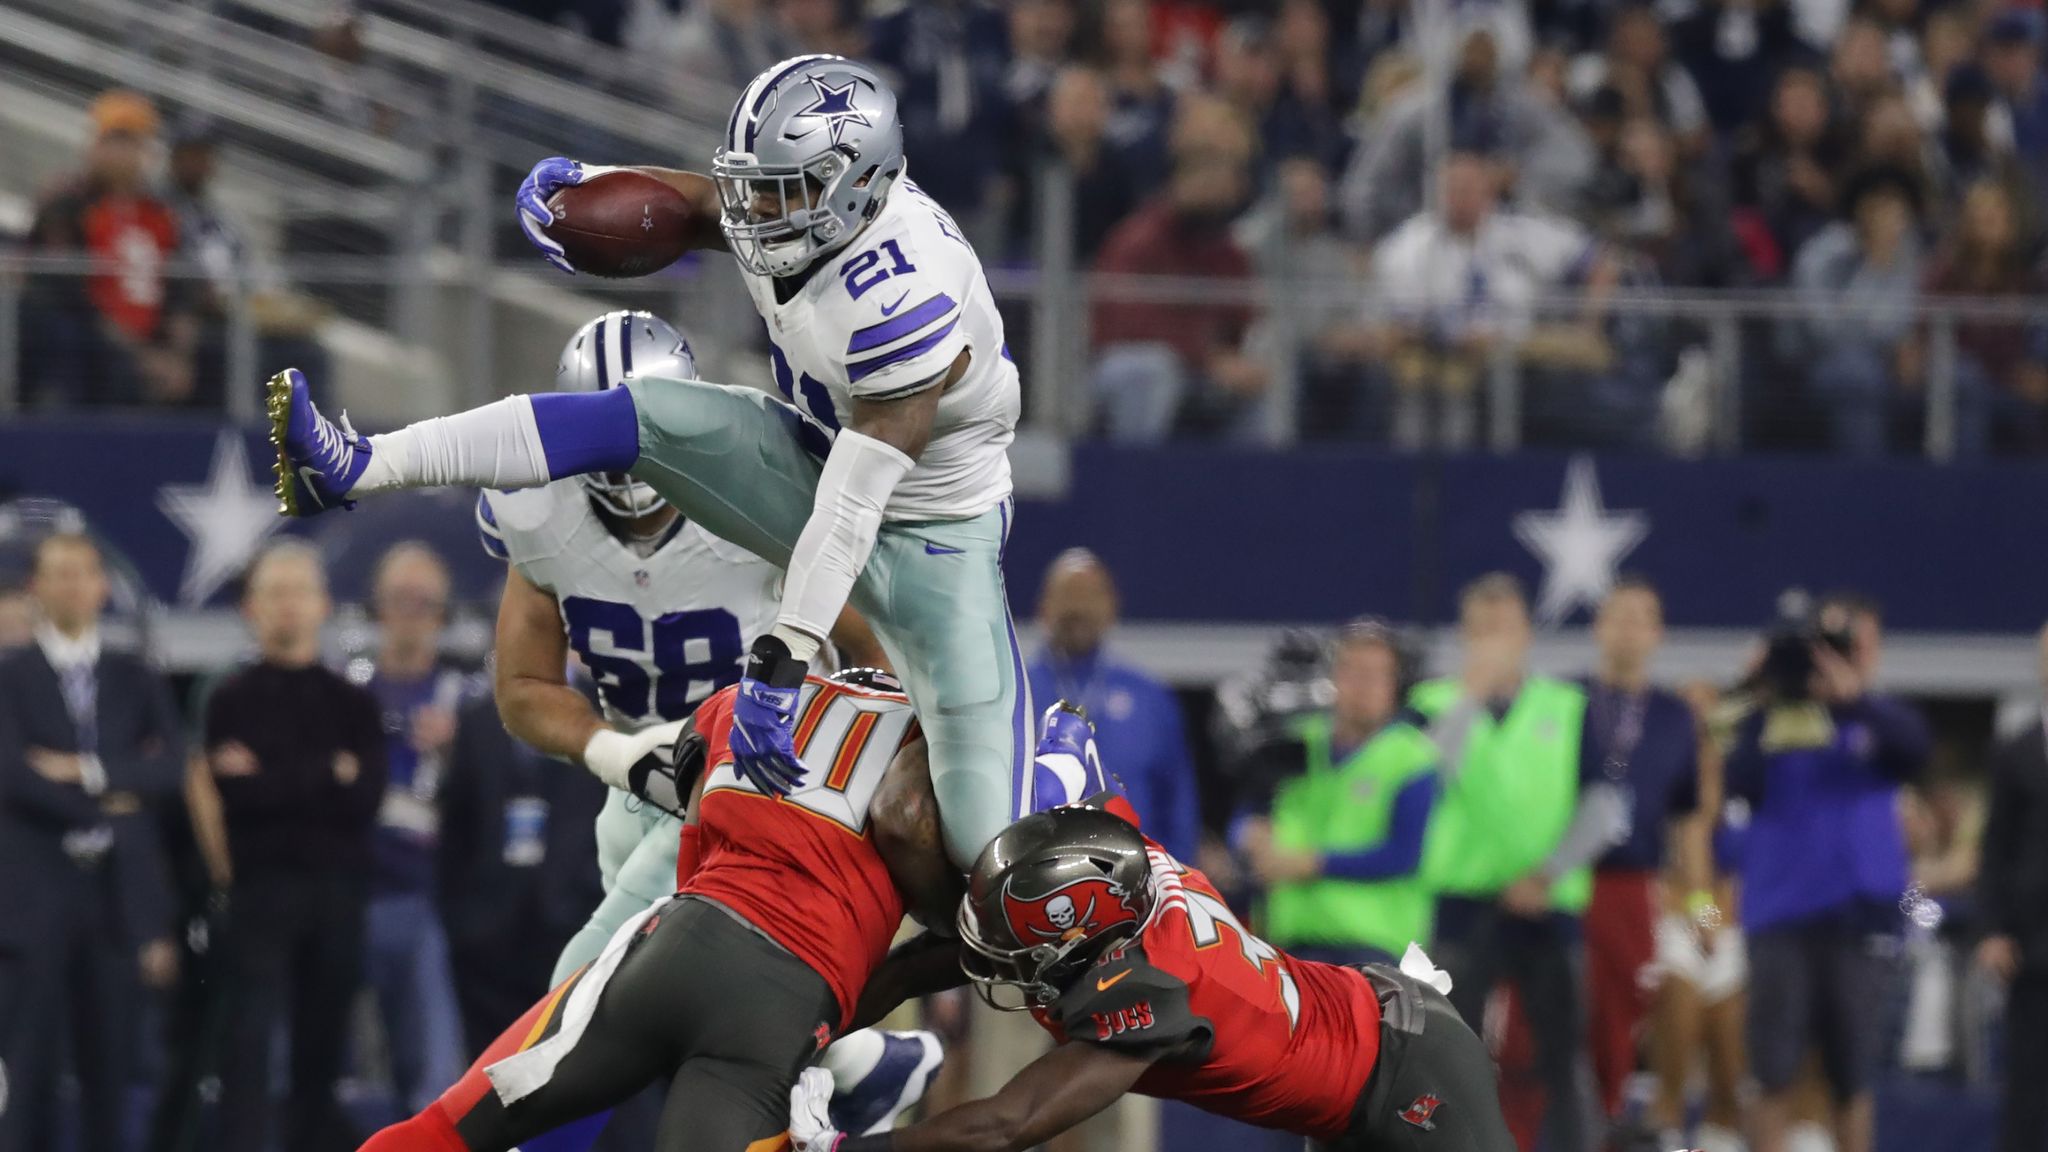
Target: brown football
621	224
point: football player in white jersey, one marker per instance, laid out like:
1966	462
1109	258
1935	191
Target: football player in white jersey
659	612
884	481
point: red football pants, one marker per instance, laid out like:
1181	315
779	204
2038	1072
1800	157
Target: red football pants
1621	943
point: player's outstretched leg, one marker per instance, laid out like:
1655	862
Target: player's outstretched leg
877	1076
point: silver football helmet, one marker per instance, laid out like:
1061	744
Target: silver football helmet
605	353
810	154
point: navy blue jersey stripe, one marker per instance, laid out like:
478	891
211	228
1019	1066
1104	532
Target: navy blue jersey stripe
896	328
860	369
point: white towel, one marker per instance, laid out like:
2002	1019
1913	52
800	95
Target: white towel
1415	962
522	1073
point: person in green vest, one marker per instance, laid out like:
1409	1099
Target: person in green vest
1510	846
1339	853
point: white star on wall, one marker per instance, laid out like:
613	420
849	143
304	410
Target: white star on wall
1581	544
226	519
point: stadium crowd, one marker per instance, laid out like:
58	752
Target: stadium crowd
1412	206
1696	913
1882	154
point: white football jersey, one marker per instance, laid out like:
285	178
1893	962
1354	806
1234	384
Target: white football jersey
886	313
659	633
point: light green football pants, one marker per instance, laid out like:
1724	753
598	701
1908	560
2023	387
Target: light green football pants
732	460
636	859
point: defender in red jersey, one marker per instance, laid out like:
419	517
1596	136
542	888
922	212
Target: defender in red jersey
1133	962
790	900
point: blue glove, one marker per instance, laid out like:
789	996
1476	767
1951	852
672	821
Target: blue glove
764	718
547	178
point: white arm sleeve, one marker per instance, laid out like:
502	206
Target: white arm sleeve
859	474
495	446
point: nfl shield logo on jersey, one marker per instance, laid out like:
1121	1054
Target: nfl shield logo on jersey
640	578
1419	1112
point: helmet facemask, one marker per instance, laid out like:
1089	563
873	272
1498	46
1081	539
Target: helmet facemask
620	495
807	227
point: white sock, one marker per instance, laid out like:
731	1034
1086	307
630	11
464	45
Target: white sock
852	1057
495	446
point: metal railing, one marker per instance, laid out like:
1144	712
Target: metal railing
1746	379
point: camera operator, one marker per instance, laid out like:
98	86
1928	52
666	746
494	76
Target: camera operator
1338	844
1820	759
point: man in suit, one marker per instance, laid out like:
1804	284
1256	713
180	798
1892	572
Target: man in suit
89	744
2014	887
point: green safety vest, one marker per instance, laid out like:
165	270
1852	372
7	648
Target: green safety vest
1346	807
1508	806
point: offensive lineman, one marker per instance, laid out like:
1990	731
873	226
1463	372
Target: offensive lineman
738	981
658	610
1147	982
885	479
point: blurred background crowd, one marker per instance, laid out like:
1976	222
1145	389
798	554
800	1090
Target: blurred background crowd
1779	888
1805	224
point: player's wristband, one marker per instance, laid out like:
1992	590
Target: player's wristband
771	663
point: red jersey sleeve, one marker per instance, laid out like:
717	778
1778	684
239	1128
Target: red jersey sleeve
1129	1003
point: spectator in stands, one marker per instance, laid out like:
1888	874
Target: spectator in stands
1651	752
2012	55
17	617
518	833
2001	373
1637	67
123	334
1071	141
1862	276
1340	855
818	26
1041	46
1820	762
947	62
347	86
1141	115
1733	49
1948	41
1511	840
417	692
1137	721
2013	888
1293	241
1487	110
1860	71
1891	138
1650	199
1310	76
1288	113
297	755
90	748
727	42
1785	171
1464	279
1967	152
1167	365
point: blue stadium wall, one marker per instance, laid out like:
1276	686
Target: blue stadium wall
1220	535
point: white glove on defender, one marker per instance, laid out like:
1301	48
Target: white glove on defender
611	754
810	1113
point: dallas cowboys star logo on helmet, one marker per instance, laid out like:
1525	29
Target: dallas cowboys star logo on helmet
834	106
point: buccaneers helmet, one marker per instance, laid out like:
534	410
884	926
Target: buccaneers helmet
1047	898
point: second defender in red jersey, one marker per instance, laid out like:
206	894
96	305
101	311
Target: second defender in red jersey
736	983
1135	964
751	846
